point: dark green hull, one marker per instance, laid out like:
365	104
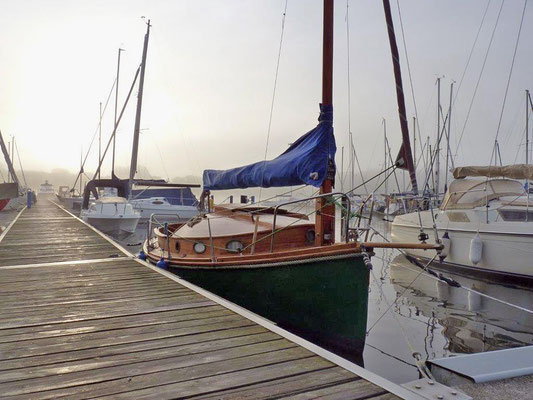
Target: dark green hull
324	302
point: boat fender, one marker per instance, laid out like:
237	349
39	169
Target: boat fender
476	249
141	255
446	244
162	263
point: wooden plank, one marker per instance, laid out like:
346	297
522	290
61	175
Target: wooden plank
168	370
118	329
284	386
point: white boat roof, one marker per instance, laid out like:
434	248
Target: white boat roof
470	193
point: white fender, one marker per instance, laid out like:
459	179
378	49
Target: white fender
476	249
446	243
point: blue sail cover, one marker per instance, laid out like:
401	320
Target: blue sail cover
304	162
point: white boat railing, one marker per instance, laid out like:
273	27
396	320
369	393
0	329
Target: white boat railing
150	230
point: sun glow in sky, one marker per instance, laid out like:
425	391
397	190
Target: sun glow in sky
210	78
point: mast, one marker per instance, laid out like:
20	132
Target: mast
116	108
325	216
527	127
437	148
8	160
133	165
414	143
100	139
405	151
448	153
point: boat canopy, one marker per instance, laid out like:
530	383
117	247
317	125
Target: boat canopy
175	196
517	171
471	193
305	162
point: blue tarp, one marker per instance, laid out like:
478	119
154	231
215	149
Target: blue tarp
175	196
305	162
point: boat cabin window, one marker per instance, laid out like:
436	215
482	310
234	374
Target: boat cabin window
199	247
157	202
516	215
234	246
310	236
177	246
458	217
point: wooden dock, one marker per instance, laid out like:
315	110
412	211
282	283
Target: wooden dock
80	318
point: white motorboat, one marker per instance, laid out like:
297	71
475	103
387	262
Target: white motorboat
112	215
484	224
160	206
46	188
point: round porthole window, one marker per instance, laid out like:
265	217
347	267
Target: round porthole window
199	247
310	236
234	246
177	246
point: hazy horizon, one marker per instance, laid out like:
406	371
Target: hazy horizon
210	76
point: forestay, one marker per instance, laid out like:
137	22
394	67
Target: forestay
304	162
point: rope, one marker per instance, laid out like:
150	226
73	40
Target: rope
410	79
353	153
510	72
95	132
479	79
273	94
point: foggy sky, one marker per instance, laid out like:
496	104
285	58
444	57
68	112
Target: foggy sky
210	78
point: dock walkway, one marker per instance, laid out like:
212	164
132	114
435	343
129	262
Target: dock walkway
80	318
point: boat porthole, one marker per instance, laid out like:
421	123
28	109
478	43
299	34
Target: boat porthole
310	236
234	246
177	246
199	247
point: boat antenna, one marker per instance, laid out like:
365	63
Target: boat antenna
136	131
405	157
116	108
325	219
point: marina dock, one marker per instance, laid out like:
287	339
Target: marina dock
82	318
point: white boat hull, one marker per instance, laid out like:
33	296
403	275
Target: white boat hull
163	210
113	225
506	249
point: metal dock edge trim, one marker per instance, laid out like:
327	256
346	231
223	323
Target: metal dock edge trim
4	233
327	355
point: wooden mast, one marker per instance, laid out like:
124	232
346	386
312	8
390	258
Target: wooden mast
137	129
405	151
325	216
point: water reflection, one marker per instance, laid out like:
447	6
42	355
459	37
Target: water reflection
471	322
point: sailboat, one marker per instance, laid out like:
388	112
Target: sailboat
271	260
12	195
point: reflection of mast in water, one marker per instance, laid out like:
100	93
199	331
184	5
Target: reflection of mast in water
471	322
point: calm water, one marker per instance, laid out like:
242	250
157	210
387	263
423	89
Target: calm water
411	311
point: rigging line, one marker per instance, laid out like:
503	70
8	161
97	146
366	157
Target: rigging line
410	76
161	158
479	78
94	135
353	153
511	71
391	356
442	278
471	52
273	94
397	297
424	371
20	164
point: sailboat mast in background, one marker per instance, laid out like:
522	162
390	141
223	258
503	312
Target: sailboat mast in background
133	165
405	151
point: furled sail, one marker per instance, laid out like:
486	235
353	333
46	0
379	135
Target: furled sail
517	171
304	162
